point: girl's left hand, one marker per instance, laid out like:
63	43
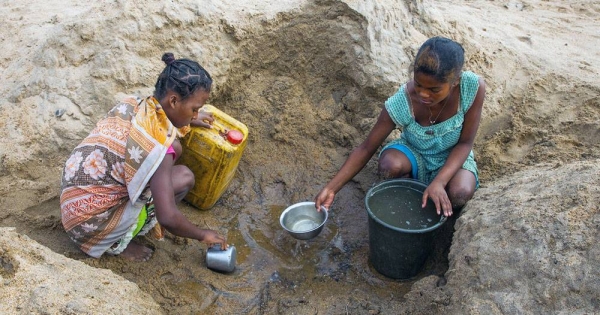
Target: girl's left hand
204	119
437	193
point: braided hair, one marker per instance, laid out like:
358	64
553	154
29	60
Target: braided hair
182	76
441	58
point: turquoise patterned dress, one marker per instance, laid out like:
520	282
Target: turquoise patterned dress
431	145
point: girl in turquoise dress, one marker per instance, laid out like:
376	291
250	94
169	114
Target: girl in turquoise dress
439	113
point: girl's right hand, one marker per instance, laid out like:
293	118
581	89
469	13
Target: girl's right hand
211	237
324	199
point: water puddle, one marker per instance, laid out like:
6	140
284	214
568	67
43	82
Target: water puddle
271	264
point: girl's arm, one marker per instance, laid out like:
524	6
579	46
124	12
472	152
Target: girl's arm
357	159
167	213
458	155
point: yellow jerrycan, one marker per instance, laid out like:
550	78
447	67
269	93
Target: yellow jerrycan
213	155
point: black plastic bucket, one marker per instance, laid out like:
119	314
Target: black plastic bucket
401	233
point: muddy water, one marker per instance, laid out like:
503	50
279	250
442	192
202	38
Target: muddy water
278	273
275	273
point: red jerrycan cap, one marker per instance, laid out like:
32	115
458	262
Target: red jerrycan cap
235	136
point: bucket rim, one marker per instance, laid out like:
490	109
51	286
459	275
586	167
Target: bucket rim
370	192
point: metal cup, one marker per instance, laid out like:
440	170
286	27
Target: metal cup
221	260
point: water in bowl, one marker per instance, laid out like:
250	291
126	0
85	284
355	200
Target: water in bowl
400	206
304	224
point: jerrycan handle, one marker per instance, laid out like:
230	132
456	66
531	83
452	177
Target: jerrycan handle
220	128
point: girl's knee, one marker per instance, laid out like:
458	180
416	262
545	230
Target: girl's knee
190	177
184	176
461	188
387	169
460	195
390	167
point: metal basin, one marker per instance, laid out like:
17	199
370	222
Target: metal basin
302	220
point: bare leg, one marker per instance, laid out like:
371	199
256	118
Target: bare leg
461	188
394	164
183	181
183	177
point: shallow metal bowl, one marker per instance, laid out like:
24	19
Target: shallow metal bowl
302	220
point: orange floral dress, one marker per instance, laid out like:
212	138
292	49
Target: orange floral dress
105	180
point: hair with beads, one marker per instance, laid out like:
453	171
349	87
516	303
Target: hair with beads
441	58
182	76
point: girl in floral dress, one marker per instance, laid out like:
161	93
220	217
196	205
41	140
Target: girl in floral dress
122	179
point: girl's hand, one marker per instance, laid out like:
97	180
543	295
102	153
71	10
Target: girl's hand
204	119
437	193
324	199
211	237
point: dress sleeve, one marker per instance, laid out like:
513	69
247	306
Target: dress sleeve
397	107
469	85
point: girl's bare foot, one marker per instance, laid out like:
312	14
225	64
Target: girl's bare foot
136	252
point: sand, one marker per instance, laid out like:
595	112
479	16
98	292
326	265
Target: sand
308	79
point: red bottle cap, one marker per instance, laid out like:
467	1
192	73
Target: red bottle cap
235	136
